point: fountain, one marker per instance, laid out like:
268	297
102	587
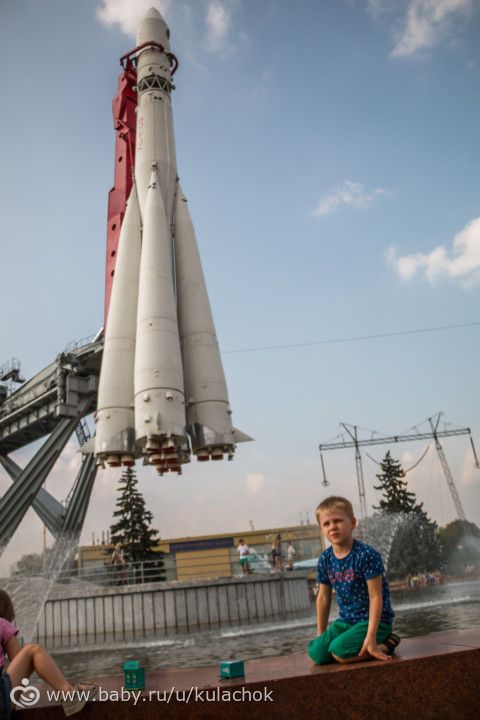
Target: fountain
30	593
407	541
380	531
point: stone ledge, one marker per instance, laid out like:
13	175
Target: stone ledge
431	678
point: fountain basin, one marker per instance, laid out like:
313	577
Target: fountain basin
75	614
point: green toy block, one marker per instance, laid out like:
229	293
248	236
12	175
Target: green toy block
232	669
134	675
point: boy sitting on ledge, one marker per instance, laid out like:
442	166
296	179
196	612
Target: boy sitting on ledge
355	570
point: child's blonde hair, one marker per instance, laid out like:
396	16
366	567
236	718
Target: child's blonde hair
332	502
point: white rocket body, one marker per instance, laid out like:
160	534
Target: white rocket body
208	412
155	144
115	418
158	376
162	387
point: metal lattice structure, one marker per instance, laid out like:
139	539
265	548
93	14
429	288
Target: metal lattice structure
376	439
52	404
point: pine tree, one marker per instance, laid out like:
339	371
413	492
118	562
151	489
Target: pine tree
132	529
396	496
416	546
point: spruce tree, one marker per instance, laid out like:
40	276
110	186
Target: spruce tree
396	497
132	529
416	546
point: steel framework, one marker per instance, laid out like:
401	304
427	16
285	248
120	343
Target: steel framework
52	403
434	434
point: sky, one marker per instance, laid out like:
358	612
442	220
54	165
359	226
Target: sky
329	152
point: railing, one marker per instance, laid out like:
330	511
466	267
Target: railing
211	565
221	563
75	344
132	573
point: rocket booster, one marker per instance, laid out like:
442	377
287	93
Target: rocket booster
115	419
162	393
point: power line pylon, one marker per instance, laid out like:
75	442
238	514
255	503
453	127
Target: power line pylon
446	469
434	434
359	469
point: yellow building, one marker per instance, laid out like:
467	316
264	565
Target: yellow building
212	556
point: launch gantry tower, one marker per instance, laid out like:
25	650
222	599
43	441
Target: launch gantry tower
53	403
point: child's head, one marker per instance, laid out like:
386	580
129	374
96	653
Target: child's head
331	508
6	607
334	502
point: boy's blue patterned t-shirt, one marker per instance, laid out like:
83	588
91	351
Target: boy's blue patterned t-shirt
348	576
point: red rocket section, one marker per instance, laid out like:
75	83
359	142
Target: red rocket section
124	120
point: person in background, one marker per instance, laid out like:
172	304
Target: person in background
278	552
119	564
243	553
273	555
290	556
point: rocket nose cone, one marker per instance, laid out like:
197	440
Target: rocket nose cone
153	13
153	27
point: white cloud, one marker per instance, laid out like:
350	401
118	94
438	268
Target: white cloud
128	13
462	262
200	26
427	22
348	193
255	482
218	20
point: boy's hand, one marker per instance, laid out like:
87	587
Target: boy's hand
371	648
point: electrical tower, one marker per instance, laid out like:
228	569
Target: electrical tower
434	434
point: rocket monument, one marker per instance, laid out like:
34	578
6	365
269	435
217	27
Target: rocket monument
162	393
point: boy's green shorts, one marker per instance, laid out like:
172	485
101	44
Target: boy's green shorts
343	640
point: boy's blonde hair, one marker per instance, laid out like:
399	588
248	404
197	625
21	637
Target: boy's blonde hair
332	502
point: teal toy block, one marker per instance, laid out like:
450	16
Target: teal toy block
232	669
134	675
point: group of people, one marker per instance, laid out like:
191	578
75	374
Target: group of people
422	580
277	560
350	567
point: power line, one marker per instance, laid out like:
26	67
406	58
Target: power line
354	338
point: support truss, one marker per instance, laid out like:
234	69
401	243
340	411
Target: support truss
54	402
